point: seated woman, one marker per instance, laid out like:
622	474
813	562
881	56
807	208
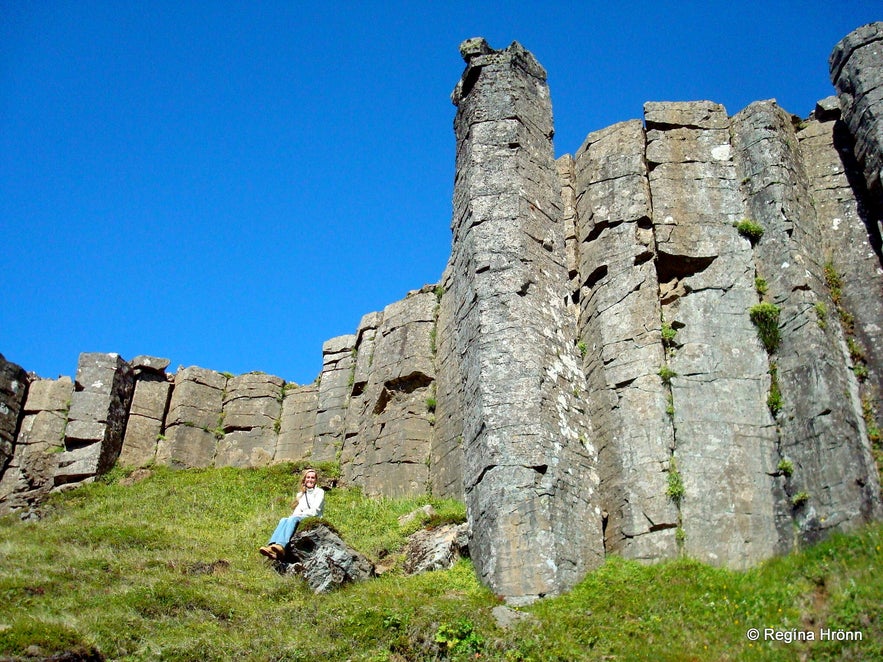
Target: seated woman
309	502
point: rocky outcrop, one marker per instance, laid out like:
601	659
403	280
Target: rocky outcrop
620	319
193	424
297	425
252	419
390	418
669	343
819	394
335	382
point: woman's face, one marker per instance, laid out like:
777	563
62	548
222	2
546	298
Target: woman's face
310	480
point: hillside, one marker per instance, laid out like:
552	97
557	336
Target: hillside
167	568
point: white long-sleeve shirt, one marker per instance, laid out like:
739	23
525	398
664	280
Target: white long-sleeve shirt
310	503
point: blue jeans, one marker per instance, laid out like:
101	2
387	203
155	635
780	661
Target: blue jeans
284	530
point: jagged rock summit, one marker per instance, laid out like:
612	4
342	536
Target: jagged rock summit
667	343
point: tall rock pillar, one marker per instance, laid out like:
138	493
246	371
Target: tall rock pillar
857	74
529	467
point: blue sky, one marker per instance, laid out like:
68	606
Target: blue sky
230	184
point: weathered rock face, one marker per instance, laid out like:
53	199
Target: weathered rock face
809	363
529	464
589	374
193	424
252	420
297	426
97	417
620	337
335	388
29	477
390	417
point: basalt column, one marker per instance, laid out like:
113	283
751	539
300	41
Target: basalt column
857	74
529	467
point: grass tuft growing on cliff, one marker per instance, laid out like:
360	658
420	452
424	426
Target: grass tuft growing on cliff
765	317
167	568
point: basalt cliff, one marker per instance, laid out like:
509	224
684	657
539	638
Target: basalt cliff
668	343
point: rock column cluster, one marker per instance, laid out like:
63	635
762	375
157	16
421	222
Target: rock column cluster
669	343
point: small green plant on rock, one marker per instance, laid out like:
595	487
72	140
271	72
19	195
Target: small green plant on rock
785	467
668	334
583	349
760	285
856	351
666	374
861	372
821	314
675	490
799	499
750	230
834	282
433	340
765	317
869	413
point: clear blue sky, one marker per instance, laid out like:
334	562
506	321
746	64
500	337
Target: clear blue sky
230	184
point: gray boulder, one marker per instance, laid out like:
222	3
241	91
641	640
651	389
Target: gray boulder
436	549
324	560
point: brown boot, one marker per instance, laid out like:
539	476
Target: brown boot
269	553
278	550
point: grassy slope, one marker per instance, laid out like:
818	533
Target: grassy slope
168	569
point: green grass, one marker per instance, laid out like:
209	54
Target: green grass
168	569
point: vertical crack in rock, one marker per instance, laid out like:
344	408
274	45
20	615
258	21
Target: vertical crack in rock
147	414
533	534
